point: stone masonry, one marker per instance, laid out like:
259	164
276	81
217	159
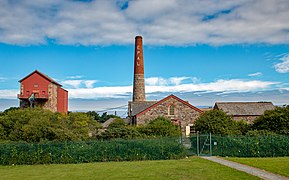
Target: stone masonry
138	81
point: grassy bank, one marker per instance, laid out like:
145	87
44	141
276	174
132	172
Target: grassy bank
191	168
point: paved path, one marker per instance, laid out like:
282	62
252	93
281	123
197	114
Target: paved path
248	169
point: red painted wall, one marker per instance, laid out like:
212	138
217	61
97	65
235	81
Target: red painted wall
29	85
62	100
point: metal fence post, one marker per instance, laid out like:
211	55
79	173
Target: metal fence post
211	150
198	153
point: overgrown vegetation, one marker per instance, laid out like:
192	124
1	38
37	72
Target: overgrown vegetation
91	151
271	122
37	125
101	119
218	122
159	127
276	121
244	146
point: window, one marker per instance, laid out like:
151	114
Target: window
43	92
171	110
35	85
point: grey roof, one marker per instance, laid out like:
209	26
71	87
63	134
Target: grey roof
244	108
136	107
107	122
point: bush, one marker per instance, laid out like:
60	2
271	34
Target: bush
218	122
247	146
36	125
91	151
160	127
276	121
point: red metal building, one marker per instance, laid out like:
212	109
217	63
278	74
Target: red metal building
37	89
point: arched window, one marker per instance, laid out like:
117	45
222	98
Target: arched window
171	110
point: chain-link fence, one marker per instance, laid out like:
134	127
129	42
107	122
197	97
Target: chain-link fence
91	151
240	146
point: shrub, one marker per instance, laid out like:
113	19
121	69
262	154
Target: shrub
91	151
218	122
276	120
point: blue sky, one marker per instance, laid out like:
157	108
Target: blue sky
203	51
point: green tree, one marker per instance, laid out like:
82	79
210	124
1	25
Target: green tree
117	123
276	121
160	126
217	122
35	125
104	117
94	115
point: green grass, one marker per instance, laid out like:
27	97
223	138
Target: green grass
191	168
275	165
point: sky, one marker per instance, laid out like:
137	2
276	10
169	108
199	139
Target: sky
203	51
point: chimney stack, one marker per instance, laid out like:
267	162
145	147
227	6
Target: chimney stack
138	80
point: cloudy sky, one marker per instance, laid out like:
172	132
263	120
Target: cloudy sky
202	50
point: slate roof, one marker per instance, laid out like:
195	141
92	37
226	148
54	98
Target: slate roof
107	122
43	75
244	108
136	107
163	100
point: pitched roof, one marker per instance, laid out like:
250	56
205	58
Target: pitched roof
43	75
165	99
136	107
244	108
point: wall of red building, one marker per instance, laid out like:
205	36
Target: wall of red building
62	100
35	84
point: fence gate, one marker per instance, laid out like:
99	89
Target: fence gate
204	144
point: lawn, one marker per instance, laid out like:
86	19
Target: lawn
191	168
278	165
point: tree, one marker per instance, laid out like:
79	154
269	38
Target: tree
35	125
160	126
217	122
117	122
276	121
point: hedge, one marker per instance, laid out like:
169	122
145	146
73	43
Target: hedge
91	151
247	146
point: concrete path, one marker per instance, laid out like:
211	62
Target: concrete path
248	169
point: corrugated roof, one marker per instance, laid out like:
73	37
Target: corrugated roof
244	108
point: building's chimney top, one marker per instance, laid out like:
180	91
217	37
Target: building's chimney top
138	82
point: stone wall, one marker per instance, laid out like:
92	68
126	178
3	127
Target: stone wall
185	114
51	104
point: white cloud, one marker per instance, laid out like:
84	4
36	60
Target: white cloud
74	77
255	74
159	81
89	83
100	92
283	67
79	83
158	85
72	83
169	22
8	94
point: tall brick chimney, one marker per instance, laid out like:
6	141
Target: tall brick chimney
138	80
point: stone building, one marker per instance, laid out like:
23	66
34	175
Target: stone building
247	111
39	90
141	111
